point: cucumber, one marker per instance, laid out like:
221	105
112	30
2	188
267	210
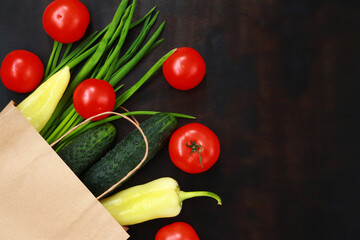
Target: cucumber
128	153
87	148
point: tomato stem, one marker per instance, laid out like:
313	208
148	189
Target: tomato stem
195	147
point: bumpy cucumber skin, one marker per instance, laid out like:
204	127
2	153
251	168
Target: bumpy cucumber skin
87	148
128	153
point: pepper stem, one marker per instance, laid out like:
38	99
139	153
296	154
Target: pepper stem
187	195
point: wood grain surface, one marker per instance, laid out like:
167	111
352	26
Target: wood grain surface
281	92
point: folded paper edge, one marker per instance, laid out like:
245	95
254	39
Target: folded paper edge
8	108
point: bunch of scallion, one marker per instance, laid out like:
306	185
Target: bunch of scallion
101	56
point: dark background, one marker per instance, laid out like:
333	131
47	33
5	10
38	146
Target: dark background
281	92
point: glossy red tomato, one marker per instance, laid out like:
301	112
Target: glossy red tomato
194	148
94	96
177	231
66	21
184	69
21	71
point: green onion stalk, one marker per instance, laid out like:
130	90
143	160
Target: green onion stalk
99	56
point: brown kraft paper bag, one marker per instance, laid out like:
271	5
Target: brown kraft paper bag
40	197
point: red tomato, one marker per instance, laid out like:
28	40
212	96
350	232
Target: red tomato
94	96
177	231
21	71
194	148
66	21
184	69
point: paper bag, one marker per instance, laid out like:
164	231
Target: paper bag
40	197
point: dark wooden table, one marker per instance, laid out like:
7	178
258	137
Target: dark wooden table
281	92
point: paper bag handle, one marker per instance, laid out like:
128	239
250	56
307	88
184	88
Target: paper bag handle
136	124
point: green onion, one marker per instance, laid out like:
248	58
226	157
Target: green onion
95	53
128	68
138	41
67	50
125	96
120	74
51	58
99	56
72	118
124	27
56	57
137	22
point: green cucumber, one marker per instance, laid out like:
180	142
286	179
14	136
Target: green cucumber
87	148
129	152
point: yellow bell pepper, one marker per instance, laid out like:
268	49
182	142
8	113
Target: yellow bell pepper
157	199
40	104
